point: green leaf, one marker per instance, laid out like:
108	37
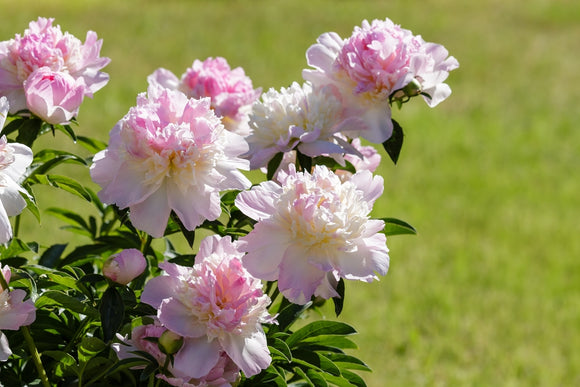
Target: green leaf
62	182
31	203
317	360
28	131
339	300
112	311
91	144
13	125
66	129
273	165
304	161
316	379
344	361
51	256
47	159
397	227
280	346
394	143
289	315
318	328
67	365
17	247
89	348
332	342
59	299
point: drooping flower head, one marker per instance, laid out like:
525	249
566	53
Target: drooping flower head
312	230
45	45
378	59
218	304
14	159
231	91
169	153
302	117
14	312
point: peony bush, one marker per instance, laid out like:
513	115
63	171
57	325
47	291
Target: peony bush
229	310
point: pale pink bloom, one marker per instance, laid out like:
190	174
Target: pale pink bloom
53	96
14	312
170	152
225	372
125	266
45	45
231	91
300	117
218	304
140	340
368	159
312	230
378	59
14	159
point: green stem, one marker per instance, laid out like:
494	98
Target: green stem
16	225
35	356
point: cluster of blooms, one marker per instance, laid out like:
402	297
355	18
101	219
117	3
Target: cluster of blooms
50	72
187	140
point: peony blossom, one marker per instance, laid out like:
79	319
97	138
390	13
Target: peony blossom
125	266
53	96
217	306
312	230
145	338
169	153
45	45
231	91
301	117
14	312
377	60
14	159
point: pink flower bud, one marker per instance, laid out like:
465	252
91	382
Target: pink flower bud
125	266
53	96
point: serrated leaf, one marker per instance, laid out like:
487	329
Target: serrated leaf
318	328
397	227
394	143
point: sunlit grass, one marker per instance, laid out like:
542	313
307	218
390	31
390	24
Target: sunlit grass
488	292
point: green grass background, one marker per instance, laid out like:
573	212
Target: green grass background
488	292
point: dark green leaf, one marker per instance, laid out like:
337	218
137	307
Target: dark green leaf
62	182
317	379
273	165
317	360
28	131
318	328
394	144
66	129
339	300
67	364
31	203
13	125
112	310
304	161
332	342
397	227
89	348
281	347
52	255
289	315
59	299
91	144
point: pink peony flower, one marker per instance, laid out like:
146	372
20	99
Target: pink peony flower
14	312
144	338
217	304
125	266
377	60
169	153
44	45
368	159
231	91
299	117
312	230
53	96
14	159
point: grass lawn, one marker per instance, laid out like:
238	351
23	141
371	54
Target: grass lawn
488	292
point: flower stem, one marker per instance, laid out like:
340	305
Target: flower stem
35	356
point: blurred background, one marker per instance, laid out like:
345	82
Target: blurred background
488	292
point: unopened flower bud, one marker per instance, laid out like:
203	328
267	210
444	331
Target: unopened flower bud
170	342
124	267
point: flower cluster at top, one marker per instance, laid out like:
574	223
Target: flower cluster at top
50	72
186	142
